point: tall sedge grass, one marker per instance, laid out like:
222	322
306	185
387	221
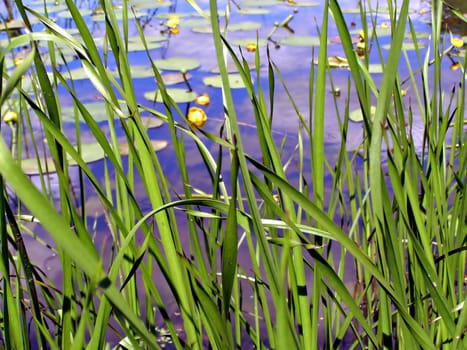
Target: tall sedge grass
402	221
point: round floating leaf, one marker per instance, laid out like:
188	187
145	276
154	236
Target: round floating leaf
245	26
98	110
407	46
138	72
67	14
167	15
134	46
177	63
149	4
300	40
232	68
259	3
253	11
157	145
100	17
178	95
194	22
235	81
151	122
242	42
75	74
52	9
206	29
303	3
375	68
357	114
150	38
174	78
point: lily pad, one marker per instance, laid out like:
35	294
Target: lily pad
253	11
357	114
75	74
178	95
303	3
177	63
193	23
90	153
135	46
242	42
244	26
174	78
235	81
206	29
151	122
375	68
260	3
100	17
157	145
98	110
149	4
67	14
232	68
300	40
407	46
138	72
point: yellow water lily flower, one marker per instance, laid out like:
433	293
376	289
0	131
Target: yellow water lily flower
175	31
455	66
457	42
10	117
251	47
196	117
173	21
18	60
203	100
384	25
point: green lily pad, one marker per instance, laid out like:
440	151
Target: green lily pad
242	42
157	145
253	11
232	68
375	68
138	72
98	110
194	22
407	46
357	114
149	4
174	78
75	74
235	81
67	14
90	153
244	26
53	9
100	17
260	3
177	63
151	122
135	46
300	40
178	95
206	29
299	3
167	15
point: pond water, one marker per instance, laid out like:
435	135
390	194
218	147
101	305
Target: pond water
293	60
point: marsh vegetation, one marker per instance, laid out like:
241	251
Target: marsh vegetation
273	239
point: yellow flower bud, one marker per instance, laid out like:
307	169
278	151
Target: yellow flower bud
196	117
457	42
10	117
18	60
455	66
175	31
173	21
251	47
203	100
